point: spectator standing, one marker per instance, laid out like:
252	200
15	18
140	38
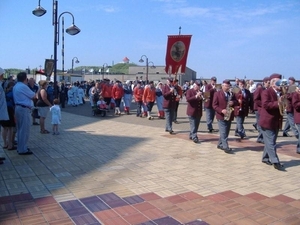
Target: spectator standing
3	107
23	98
55	116
43	105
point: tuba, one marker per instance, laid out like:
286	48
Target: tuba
283	84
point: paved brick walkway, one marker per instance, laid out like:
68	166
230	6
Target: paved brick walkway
128	170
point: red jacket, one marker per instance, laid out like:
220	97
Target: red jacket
208	102
149	94
270	117
257	99
194	107
243	109
296	106
169	98
138	94
106	91
117	91
220	103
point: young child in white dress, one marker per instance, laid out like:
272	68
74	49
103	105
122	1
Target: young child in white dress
55	116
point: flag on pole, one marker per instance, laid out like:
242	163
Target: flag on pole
177	52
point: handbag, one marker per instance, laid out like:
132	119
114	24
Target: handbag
35	113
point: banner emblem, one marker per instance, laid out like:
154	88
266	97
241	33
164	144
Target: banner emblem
178	51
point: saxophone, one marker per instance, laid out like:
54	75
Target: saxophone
229	109
284	87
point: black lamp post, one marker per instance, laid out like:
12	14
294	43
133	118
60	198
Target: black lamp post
72	30
77	61
147	66
104	65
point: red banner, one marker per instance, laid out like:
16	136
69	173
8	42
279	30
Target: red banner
177	52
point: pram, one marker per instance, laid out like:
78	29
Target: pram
99	111
100	108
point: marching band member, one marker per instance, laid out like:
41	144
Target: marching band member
257	107
242	110
169	103
194	110
149	98
178	97
270	121
210	112
290	124
223	102
296	106
138	92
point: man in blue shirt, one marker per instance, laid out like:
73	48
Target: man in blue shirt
23	98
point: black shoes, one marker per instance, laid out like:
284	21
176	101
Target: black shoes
175	121
226	150
2	158
195	140
268	163
26	153
286	134
255	126
278	166
170	131
260	141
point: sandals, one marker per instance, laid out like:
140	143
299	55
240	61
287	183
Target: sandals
45	132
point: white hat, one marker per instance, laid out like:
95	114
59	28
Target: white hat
2	71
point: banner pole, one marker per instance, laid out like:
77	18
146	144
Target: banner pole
180	30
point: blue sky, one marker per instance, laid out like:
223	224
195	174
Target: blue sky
231	38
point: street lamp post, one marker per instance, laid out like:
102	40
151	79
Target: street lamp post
77	61
104	65
72	30
147	66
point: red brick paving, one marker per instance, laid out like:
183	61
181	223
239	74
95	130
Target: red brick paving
187	208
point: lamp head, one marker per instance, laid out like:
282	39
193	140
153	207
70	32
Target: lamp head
73	30
39	11
77	61
141	60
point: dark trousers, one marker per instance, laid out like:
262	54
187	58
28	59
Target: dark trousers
62	99
210	115
139	106
169	114
107	101
224	128
260	136
270	154
290	124
150	106
239	129
118	102
194	125
175	111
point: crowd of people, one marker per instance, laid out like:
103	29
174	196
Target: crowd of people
23	102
